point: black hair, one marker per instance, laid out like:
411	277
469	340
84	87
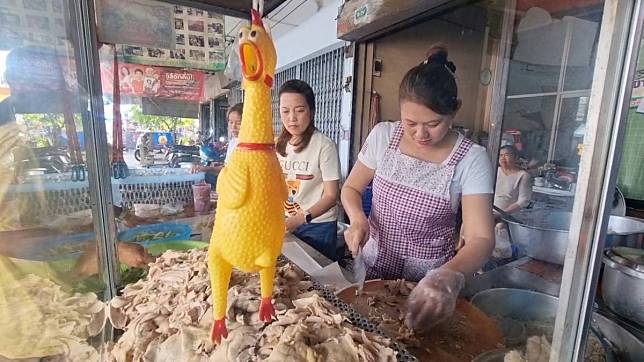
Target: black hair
138	70
432	83
513	150
304	89
237	108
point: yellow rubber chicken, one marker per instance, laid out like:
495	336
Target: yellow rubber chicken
249	223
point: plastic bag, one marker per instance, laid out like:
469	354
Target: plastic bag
233	66
502	247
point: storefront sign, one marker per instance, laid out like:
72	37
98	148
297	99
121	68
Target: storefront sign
145	23
149	81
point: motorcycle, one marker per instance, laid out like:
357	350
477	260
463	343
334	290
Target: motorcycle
178	154
212	152
43	159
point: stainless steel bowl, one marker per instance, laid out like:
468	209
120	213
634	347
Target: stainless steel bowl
627	347
625	231
542	234
623	284
528	306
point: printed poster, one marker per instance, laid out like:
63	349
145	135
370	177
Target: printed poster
147	23
32	23
151	81
198	43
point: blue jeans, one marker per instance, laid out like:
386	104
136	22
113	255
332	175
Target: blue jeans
211	178
321	236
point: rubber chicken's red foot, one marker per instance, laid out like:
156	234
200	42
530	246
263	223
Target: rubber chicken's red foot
218	330
266	310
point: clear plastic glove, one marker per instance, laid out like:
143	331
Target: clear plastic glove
434	298
356	236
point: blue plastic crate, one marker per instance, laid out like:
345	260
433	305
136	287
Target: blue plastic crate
182	232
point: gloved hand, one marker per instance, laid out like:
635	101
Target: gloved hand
434	298
356	236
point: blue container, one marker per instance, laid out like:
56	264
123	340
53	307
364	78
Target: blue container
180	231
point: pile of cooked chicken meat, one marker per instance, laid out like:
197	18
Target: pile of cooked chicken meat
167	317
467	333
42	321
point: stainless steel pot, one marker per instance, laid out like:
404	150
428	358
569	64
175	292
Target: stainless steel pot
625	231
623	282
530	306
542	234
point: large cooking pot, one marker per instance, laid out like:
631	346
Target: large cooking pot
530	306
623	282
542	234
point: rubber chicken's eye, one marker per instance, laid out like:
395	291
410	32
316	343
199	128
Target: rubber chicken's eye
241	34
253	34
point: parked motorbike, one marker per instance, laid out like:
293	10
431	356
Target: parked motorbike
212	152
178	154
44	159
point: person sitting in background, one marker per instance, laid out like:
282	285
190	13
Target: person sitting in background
311	167
513	193
234	123
513	186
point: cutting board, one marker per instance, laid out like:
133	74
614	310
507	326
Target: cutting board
465	335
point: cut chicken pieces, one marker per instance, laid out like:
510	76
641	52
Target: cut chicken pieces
167	317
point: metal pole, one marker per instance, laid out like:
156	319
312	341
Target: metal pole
502	68
96	141
614	66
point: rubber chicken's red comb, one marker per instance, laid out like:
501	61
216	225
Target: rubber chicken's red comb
256	19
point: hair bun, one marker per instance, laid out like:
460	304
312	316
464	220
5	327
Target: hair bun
437	54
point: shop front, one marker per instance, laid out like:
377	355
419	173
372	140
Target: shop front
548	83
109	108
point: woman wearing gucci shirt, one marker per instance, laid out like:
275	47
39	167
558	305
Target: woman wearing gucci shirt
310	164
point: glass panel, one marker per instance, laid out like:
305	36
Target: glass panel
163	134
535	186
527	124
48	249
570	132
583	30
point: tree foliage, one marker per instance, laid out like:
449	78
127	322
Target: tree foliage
159	123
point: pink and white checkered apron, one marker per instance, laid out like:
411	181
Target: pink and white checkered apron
412	220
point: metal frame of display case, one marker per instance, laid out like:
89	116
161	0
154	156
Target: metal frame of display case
619	39
620	35
613	71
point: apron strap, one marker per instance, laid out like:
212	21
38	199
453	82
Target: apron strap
395	139
461	151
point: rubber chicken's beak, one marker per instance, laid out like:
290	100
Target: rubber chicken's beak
252	64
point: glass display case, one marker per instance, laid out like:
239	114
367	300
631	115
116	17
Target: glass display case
101	163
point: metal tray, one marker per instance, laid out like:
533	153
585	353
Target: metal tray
355	318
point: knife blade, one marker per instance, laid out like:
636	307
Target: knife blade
359	270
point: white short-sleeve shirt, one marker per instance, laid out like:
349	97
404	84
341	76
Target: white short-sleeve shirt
473	174
305	173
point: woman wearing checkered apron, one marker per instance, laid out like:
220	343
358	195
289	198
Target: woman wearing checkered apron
422	171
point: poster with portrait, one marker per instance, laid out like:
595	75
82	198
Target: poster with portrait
158	82
198	42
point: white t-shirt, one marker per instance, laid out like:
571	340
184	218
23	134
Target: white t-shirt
231	147
473	174
510	189
305	173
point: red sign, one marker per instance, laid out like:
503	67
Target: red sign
151	81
